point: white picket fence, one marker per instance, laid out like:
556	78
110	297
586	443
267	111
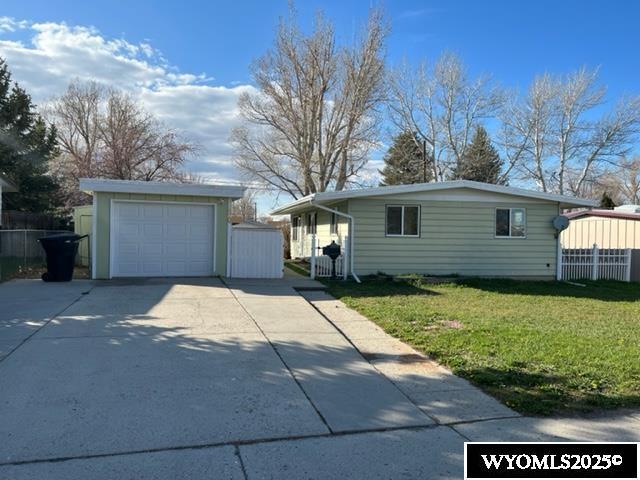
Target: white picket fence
321	265
595	264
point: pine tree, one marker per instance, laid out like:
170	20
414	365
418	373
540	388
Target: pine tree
480	162
606	201
404	162
27	145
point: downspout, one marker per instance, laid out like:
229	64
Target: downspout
351	232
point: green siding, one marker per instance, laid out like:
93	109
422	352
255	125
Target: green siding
456	237
103	208
82	217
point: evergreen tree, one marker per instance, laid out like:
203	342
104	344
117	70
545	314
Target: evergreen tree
27	145
480	161
606	201
404	162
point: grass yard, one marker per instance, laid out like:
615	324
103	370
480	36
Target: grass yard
540	347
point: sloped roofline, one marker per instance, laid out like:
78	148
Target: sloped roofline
325	197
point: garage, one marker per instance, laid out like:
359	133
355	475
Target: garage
162	239
158	229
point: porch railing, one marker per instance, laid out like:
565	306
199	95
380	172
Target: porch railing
321	265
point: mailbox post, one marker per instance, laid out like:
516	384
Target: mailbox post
333	252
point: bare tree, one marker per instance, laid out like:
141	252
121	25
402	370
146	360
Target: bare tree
630	180
621	183
554	137
443	106
106	133
311	125
244	208
525	131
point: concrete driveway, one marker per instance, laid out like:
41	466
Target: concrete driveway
201	379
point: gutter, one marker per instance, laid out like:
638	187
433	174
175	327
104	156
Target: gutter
351	231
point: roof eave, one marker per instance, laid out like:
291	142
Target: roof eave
295	206
189	189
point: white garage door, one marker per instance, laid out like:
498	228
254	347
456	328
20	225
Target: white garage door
161	239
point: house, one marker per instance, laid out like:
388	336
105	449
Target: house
457	227
5	187
158	229
617	228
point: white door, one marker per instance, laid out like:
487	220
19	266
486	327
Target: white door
256	253
152	239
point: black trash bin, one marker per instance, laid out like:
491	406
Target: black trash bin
61	250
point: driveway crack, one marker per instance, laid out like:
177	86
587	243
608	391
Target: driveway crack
324	420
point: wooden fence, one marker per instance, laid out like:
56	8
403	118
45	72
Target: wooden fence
21	249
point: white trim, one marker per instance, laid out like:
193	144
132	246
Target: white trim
495	223
112	229
94	229
229	252
161	188
564	200
402	205
351	221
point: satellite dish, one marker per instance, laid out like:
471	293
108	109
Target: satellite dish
560	223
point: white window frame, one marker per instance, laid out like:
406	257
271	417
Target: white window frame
402	205
495	222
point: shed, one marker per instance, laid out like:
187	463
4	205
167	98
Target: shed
618	228
158	229
255	251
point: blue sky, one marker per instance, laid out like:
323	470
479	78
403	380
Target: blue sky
211	44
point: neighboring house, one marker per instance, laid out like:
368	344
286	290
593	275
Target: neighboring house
5	187
458	227
158	229
617	228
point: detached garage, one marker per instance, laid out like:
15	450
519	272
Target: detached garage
158	229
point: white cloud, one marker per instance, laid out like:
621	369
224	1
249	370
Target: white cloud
54	54
45	57
8	24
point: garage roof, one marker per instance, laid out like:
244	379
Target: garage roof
162	188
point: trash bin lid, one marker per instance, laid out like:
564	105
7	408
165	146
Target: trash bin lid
62	237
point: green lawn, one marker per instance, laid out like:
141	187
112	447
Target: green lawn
540	347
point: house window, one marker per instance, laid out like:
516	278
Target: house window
312	223
295	225
510	222
333	229
403	220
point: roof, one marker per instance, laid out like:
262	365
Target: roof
251	225
6	185
166	188
604	214
326	197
